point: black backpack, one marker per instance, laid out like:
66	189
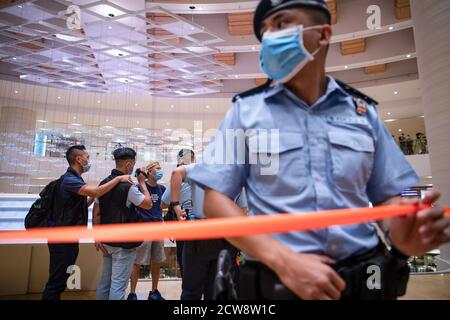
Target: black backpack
41	211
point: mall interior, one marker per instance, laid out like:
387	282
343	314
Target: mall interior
159	76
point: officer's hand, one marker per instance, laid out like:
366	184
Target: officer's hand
310	276
125	178
181	214
416	234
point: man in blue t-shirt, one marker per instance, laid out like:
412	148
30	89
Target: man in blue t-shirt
150	251
73	197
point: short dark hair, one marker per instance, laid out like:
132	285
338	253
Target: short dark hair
124	154
183	152
71	153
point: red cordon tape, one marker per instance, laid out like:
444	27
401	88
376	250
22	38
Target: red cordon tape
210	228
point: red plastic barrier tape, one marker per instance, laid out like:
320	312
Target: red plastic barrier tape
209	228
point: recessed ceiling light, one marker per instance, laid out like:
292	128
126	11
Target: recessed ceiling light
171	106
391	28
16	92
76	124
136	104
14	58
236	76
408	56
395	92
346	67
59	97
41	121
399	130
207	107
98	101
19	6
109	27
389	113
253	48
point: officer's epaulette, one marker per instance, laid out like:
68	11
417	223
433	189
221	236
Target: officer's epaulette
253	91
356	93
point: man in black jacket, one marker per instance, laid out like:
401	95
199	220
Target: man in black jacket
71	209
115	207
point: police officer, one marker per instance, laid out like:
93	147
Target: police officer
199	256
333	152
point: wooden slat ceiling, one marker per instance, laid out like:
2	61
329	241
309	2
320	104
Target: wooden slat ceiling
227	58
260	81
353	46
240	24
403	9
332	6
375	69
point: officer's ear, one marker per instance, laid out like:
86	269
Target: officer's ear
326	34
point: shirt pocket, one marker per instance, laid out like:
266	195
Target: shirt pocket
287	162
352	156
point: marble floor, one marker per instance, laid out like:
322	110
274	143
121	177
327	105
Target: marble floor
421	287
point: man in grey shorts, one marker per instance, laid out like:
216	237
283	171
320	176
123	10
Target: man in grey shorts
150	251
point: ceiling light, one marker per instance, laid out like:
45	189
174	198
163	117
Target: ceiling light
346	67
236	76
389	113
76	124
41	121
136	104
207	107
107	120
422	116
59	97
22	76
109	27
19	6
395	92
390	120
391	28
399	130
74	118
253	48
171	106
137	122
16	92
408	56
14	58
167	123
98	101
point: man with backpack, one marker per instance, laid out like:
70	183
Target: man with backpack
68	206
119	206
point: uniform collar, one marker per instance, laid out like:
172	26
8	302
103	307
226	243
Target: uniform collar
72	170
115	172
281	88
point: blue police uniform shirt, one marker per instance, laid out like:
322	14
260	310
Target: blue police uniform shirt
329	157
155	212
185	196
197	195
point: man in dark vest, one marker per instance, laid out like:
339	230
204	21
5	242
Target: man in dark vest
115	207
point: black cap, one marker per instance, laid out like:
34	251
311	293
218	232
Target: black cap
267	7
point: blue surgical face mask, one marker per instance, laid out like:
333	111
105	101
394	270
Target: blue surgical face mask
158	175
283	53
87	167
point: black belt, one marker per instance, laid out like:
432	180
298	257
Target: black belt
261	283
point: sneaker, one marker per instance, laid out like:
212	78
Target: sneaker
155	295
132	296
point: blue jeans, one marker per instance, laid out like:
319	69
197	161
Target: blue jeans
117	267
